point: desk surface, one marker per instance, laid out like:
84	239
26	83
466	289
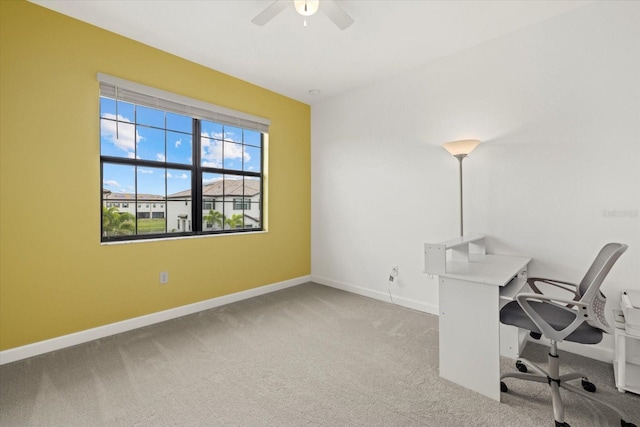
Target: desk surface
497	270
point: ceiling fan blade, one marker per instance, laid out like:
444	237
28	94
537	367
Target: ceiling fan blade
270	12
336	14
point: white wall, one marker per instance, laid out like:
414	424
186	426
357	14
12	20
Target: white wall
557	107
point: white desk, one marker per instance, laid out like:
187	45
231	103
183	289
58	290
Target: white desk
472	291
626	363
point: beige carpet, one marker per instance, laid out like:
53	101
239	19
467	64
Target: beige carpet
305	356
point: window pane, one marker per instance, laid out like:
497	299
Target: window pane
149	116
107	106
211	129
252	160
118	200
118	178
178	182
151	194
179	122
124	111
253	203
178	201
232	202
211	152
234	219
179	148
150	144
233	155
151	216
232	134
117	139
151	182
253	138
212	206
212	216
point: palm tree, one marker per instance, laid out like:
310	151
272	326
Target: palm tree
116	223
214	218
235	221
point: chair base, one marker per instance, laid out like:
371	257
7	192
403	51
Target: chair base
557	381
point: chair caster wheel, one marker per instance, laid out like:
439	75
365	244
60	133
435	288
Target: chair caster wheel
503	387
590	387
521	366
535	335
623	423
558	424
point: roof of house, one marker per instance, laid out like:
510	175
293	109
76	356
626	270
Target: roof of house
126	197
227	187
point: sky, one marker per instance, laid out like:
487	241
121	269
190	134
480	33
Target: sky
134	131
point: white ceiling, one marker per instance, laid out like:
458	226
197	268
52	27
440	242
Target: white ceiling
387	37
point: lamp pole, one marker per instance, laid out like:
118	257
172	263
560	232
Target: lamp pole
460	157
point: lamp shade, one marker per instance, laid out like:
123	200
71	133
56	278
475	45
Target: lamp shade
306	7
462	147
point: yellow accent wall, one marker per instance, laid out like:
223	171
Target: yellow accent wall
55	276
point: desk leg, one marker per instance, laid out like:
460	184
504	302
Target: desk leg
620	357
470	335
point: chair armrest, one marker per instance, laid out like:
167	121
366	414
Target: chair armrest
572	288
563	304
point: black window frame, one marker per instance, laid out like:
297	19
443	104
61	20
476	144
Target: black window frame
196	171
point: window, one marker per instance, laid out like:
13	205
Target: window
241	204
186	167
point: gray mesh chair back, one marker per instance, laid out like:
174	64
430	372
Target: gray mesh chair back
589	287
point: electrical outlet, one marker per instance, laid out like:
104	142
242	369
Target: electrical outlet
394	271
164	277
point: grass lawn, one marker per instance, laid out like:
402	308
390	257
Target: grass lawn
151	225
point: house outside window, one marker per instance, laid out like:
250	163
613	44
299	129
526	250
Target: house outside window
241	204
185	172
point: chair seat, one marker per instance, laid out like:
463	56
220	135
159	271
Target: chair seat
513	314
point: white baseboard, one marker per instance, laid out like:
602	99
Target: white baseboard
41	347
382	296
597	352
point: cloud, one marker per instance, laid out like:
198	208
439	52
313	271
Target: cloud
160	157
212	151
178	142
112	183
181	176
145	171
122	133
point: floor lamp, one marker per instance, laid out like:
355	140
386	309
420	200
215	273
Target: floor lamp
460	150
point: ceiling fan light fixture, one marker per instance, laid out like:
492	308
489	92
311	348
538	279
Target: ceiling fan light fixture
306	7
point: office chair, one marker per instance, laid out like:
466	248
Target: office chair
579	318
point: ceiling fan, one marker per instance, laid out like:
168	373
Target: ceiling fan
306	8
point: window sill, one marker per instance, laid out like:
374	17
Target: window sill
162	239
